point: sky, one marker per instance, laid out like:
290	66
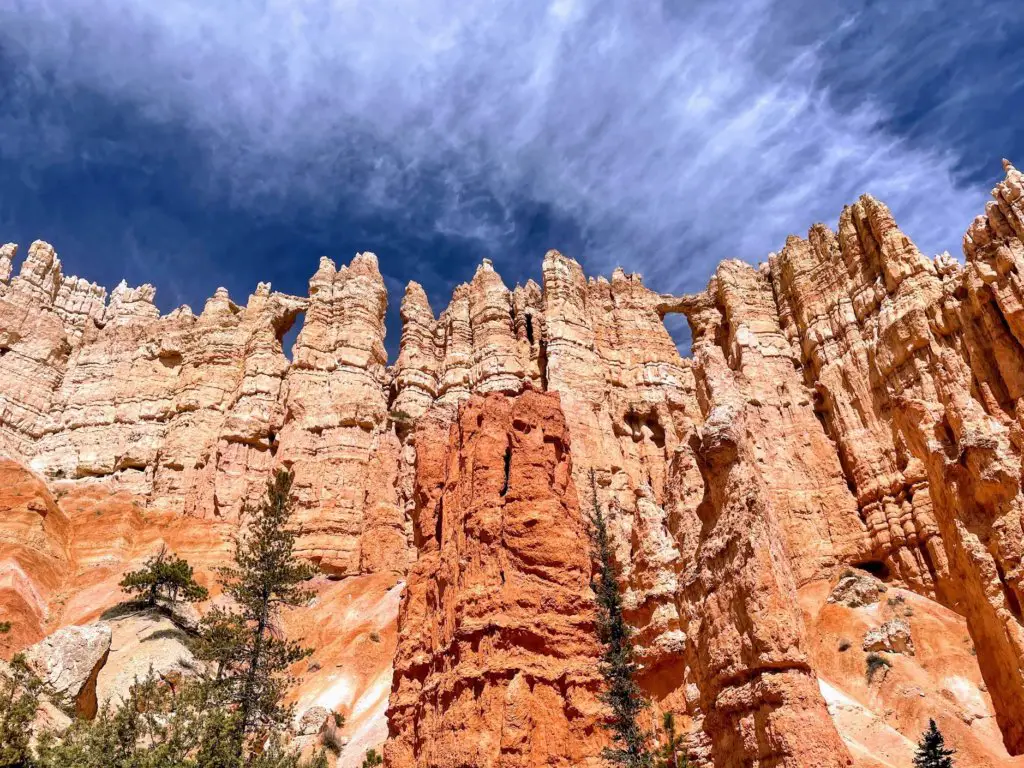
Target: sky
193	145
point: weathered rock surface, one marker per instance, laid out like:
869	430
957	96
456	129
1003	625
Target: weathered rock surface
850	405
141	643
69	662
35	539
892	637
495	661
856	589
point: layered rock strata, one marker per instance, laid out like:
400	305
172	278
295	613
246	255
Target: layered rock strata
495	664
850	403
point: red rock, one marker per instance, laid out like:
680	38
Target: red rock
849	404
496	651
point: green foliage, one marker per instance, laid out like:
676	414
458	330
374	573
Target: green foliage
5	627
145	731
618	664
372	759
156	727
221	640
167	575
875	664
931	750
253	660
233	718
673	752
19	701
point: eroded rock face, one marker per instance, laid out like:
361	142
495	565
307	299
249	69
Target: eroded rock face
35	543
892	637
495	662
850	404
69	662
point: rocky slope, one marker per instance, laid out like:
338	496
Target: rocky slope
850	420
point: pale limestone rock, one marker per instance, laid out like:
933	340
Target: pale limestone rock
8	252
143	642
69	662
417	365
856	590
335	411
892	637
312	721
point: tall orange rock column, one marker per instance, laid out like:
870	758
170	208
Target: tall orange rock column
496	655
758	695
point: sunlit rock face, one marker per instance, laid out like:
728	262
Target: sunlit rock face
849	423
496	634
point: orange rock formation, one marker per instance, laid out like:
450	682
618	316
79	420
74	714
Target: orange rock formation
850	406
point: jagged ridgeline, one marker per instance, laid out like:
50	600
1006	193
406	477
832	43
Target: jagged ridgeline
832	476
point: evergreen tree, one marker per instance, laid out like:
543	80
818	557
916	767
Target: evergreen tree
266	577
19	701
672	752
371	759
618	664
931	750
221	640
162	573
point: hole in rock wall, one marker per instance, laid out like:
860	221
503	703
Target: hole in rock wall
529	327
876	568
288	332
508	469
171	360
438	520
542	362
678	328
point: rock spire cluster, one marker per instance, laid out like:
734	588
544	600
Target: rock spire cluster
852	413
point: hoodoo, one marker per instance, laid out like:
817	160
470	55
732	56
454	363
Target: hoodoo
817	516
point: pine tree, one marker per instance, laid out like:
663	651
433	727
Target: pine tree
672	753
372	759
221	640
618	664
931	750
169	574
266	577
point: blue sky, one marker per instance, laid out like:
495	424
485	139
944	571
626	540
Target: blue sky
193	144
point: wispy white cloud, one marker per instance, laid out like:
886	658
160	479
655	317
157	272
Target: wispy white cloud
673	138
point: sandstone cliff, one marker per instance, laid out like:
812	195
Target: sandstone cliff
849	405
